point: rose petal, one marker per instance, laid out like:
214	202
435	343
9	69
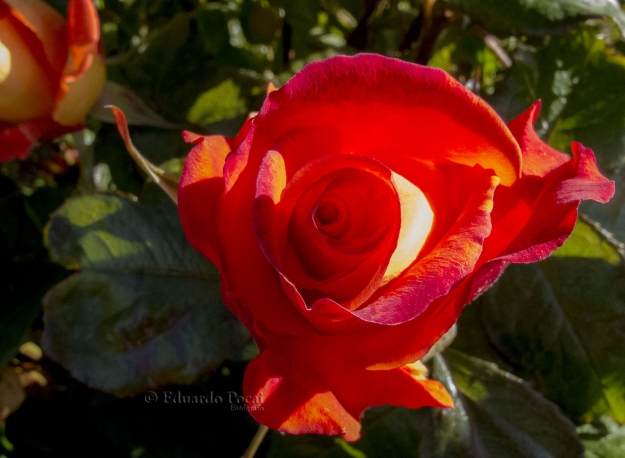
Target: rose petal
417	219
241	259
314	264
79	94
28	91
536	215
293	388
538	157
448	263
48	25
201	184
83	37
84	73
391	108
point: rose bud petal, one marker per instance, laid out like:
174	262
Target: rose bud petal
356	215
51	72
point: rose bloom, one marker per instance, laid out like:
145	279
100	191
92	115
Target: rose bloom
356	215
51	72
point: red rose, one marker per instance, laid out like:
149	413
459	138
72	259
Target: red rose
50	72
355	216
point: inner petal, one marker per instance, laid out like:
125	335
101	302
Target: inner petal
26	90
333	218
330	228
417	219
360	202
351	215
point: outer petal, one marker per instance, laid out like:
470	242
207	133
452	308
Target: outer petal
538	157
536	215
253	282
84	73
28	90
296	389
385	108
201	184
546	215
83	36
48	26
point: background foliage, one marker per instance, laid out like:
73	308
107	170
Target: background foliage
99	274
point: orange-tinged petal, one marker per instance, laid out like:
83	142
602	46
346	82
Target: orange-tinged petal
81	94
538	157
84	73
48	26
28	89
293	388
83	36
201	184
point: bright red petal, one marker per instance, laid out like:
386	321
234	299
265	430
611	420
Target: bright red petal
294	388
538	157
385	108
83	36
535	216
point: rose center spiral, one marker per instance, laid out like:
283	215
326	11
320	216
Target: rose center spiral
333	218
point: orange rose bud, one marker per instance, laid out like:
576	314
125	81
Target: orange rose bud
51	72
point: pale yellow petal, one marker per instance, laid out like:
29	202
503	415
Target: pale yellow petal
417	218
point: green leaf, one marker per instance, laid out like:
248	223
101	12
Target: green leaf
560	324
218	103
603	438
588	241
144	309
510	418
515	17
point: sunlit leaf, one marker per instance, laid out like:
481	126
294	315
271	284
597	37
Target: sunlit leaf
603	439
221	102
538	16
588	241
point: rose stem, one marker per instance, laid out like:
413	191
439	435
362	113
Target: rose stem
255	443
